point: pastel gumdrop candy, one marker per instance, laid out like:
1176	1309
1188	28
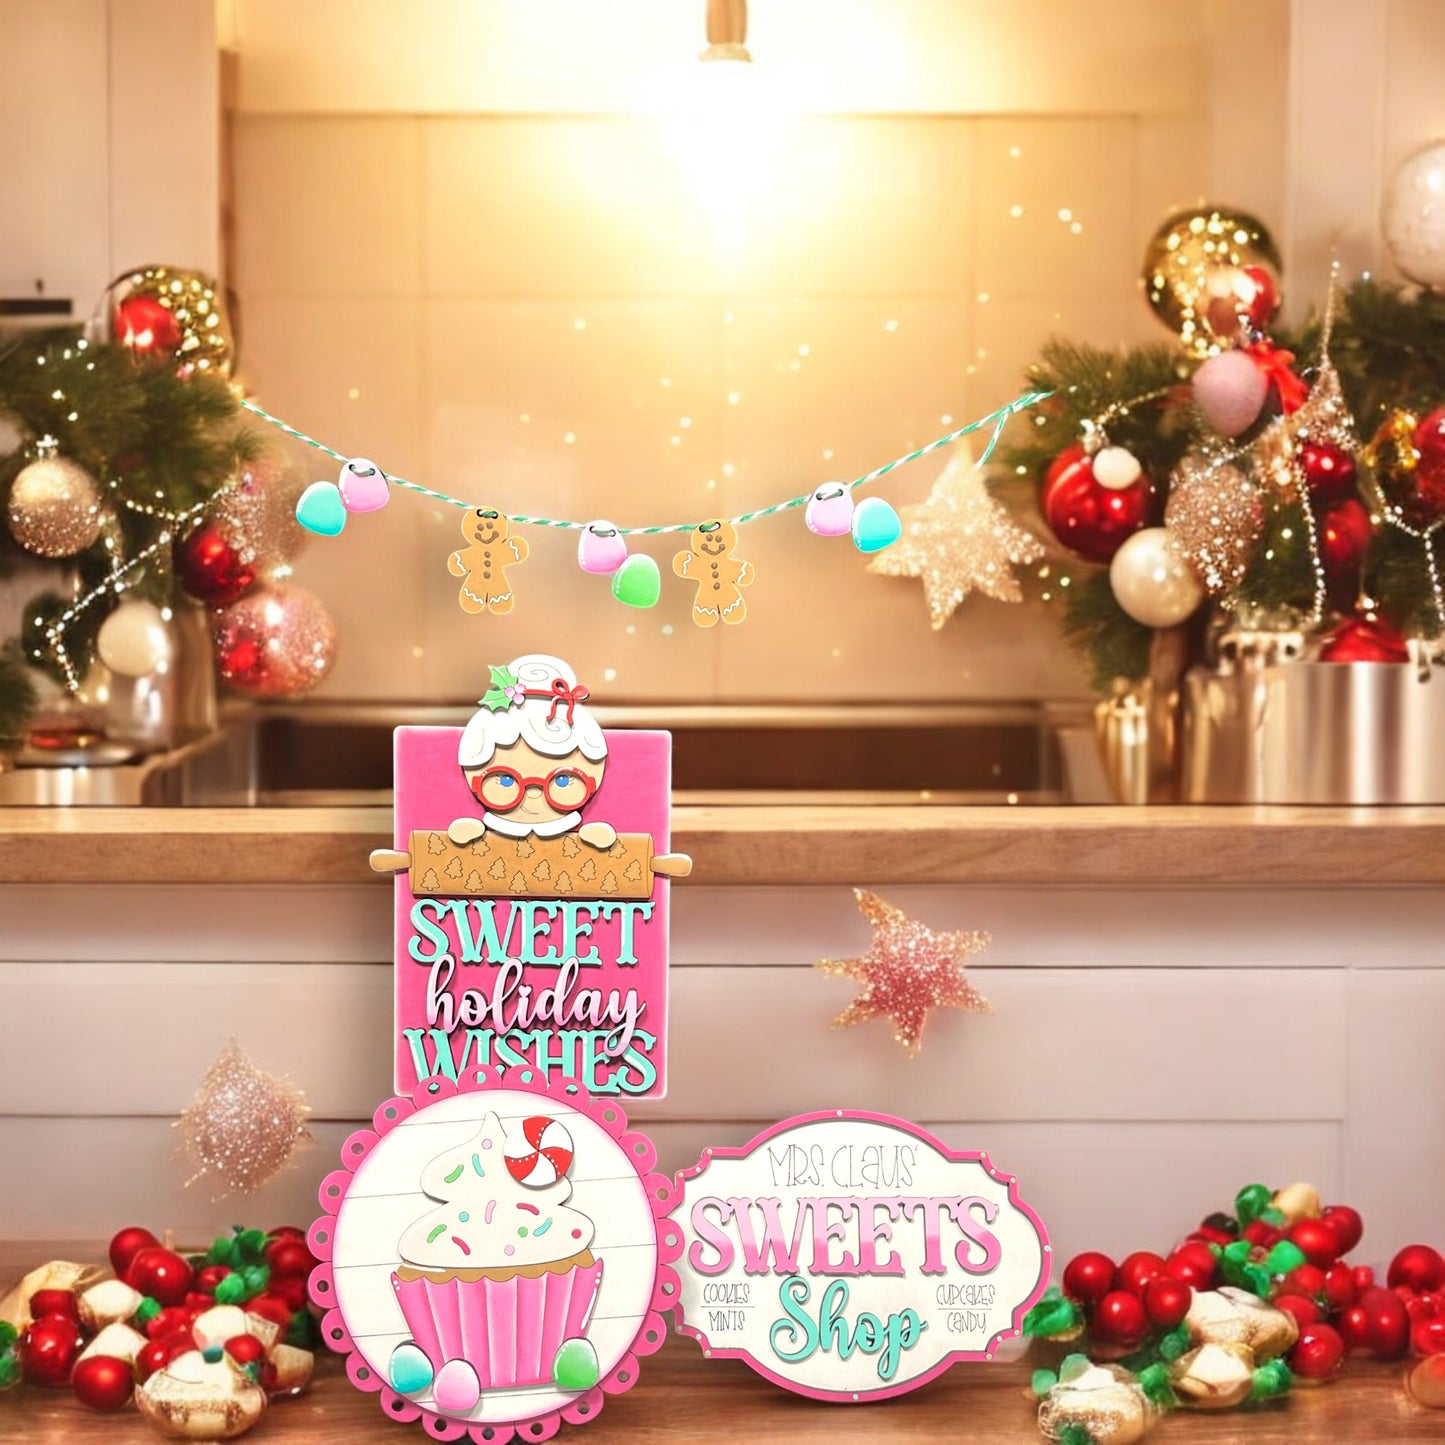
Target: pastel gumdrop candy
601	549
830	511
637	582
363	486
875	525
320	509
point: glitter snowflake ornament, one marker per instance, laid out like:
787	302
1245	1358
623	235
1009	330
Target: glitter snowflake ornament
959	541
907	972
243	1125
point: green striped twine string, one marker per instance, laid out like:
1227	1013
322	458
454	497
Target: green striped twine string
997	419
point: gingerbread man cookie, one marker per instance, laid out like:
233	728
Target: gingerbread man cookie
709	562
483	562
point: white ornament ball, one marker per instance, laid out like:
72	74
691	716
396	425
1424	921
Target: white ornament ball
134	640
1412	216
1151	582
1116	468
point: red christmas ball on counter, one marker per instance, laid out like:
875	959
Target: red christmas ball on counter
1379	1323
244	1349
1329	471
1317	1240
1347	1224
47	1351
1418	1267
54	1302
126	1245
102	1382
271	1307
290	1259
1193	1263
210	1276
1302	1308
1427	1336
1362	639
1119	1321
157	1354
1137	1269
1088	1277
1317	1354
141	324
1259	1232
1339	1289
1091	520
1306	1279
212	567
160	1273
1166	1301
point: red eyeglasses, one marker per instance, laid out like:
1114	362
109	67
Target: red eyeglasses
502	788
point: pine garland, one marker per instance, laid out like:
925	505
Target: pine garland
17	696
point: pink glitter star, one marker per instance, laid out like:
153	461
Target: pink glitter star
907	972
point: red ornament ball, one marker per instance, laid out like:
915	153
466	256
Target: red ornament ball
126	1245
157	1354
102	1382
1305	1279
212	566
1166	1302
1429	476
271	1307
160	1273
276	641
54	1302
1317	1239
1193	1263
290	1259
1302	1308
245	1348
1385	1328
1088	1277
1347	1225
47	1351
1092	521
1418	1267
209	1277
1137	1269
1318	1353
143	325
1427	1336
1339	1291
1119	1321
1261	306
1344	540
1329	471
173	1319
1363	1277
1358	639
1262	1234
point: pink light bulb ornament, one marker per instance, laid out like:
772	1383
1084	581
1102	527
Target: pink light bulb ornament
830	511
601	549
362	485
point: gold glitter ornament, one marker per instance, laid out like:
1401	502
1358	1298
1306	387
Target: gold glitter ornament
243	1125
1106	1402
1214	517
907	972
258	511
1186	253
959	541
55	504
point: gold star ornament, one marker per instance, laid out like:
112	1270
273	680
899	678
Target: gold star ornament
959	541
243	1126
907	972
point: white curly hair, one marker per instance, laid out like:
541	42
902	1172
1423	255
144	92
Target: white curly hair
555	738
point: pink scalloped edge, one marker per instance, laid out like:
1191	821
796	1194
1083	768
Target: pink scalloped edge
662	1195
968	1156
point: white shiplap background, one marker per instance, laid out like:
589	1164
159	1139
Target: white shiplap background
1150	1051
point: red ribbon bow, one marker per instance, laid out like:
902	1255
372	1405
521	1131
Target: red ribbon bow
561	694
1275	362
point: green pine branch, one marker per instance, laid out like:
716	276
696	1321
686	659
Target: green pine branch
17	696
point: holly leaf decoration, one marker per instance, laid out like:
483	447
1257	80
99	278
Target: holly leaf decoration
495	696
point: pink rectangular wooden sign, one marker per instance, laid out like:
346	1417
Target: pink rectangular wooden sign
531	892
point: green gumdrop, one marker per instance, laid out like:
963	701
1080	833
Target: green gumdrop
1154	1381
1270	1381
303	1332
220	1251
1285	1256
8	1334
575	1366
1174	1344
147	1310
637	582
9	1369
1042	1381
1072	1366
1251	1202
257	1277
231	1290
251	1243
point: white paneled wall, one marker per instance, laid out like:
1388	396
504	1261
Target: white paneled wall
507	257
1155	1047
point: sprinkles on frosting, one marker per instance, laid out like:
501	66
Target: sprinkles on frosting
477	1165
461	1244
455	1174
541	1229
440	1229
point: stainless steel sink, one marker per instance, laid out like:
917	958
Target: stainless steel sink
337	755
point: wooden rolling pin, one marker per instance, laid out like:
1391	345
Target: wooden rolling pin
498	866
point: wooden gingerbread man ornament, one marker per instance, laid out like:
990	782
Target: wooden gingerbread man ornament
483	562
719	575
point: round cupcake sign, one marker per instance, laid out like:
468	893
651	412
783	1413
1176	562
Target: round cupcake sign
494	1257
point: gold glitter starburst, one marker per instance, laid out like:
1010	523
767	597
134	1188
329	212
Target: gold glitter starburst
907	972
959	541
243	1125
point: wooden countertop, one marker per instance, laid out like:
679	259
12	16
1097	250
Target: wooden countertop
885	843
682	1397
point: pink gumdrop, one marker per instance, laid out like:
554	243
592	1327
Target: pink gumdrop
601	549
457	1389
362	485
830	511
1230	390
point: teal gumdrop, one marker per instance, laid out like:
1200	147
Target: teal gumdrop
409	1370
875	525
637	582
321	510
575	1366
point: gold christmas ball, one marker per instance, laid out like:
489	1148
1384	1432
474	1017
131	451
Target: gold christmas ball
169	312
1193	256
55	506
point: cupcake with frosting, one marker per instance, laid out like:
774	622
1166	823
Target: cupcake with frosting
498	1283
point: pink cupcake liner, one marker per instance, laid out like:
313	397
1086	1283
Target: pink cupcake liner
508	1331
